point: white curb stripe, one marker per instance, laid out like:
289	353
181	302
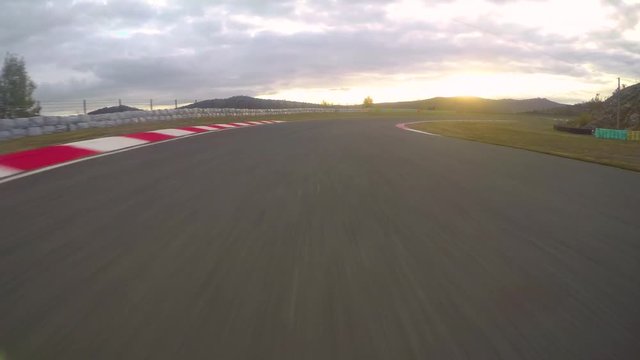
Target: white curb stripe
107	144
225	125
8	171
240	124
172	132
254	122
208	128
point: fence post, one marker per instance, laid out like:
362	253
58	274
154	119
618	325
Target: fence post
618	110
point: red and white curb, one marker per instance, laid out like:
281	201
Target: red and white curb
22	163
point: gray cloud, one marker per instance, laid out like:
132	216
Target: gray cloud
203	49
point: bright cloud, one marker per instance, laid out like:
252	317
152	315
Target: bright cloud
334	50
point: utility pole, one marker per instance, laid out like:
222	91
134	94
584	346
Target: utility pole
176	103
618	116
84	106
151	104
119	103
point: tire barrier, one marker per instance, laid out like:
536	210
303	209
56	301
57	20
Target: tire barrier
611	134
633	136
42	125
573	130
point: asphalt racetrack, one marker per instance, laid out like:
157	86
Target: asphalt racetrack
345	239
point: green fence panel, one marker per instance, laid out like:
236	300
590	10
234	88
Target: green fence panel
611	134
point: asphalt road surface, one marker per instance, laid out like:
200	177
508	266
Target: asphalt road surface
321	240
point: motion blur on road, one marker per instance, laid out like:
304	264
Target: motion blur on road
337	239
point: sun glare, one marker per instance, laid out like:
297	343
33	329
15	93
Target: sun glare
475	84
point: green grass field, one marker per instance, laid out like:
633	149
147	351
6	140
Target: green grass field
537	134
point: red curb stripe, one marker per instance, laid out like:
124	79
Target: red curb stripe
149	136
42	157
194	129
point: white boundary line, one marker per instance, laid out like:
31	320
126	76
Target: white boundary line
26	173
404	126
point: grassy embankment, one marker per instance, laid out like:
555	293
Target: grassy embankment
537	134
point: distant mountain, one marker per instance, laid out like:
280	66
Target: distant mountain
247	102
113	109
475	104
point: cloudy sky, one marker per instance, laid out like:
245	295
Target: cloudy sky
334	50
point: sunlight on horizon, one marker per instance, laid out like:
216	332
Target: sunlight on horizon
470	84
559	79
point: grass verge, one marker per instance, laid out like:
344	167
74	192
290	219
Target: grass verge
537	134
